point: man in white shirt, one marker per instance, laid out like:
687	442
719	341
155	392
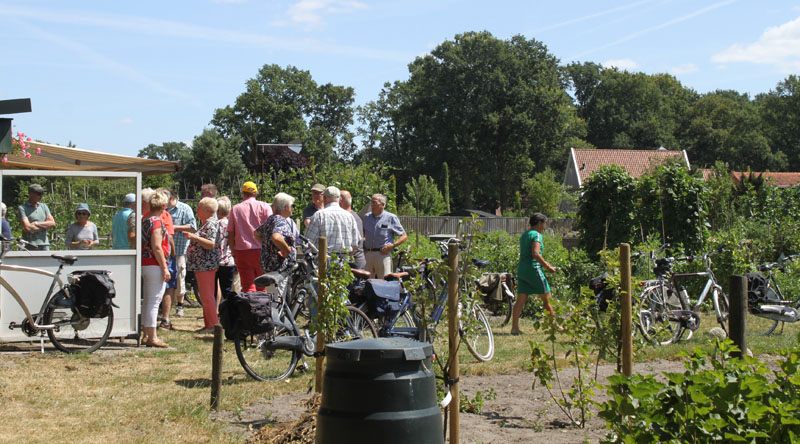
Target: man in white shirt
334	223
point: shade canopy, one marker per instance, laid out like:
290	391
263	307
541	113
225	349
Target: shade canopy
61	158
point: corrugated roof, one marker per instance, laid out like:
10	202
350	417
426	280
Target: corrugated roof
61	158
635	162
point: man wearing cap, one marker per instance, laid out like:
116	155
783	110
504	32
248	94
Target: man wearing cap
346	202
380	229
119	225
243	220
36	219
317	203
334	223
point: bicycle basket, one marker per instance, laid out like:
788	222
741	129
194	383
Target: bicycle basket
663	267
756	288
94	292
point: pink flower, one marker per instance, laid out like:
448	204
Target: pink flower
27	155
38	150
28	139
4	160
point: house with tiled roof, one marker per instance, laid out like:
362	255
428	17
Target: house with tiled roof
583	162
780	180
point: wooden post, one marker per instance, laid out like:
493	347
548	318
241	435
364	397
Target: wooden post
453	337
627	309
216	367
322	261
737	320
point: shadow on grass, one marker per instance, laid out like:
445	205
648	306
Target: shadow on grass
206	382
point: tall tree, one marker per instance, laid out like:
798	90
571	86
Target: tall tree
170	151
635	110
494	110
780	113
214	159
283	104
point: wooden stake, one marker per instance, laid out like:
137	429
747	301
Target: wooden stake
216	367
627	317
453	336
737	320
322	261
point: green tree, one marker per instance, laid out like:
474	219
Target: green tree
606	216
780	111
169	151
422	198
726	125
213	159
545	193
635	110
283	104
493	109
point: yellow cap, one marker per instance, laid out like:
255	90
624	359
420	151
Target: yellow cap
249	187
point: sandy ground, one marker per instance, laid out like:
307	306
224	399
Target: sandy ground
519	414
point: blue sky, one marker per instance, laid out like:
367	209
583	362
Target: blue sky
115	76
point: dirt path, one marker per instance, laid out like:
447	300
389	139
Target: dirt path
517	415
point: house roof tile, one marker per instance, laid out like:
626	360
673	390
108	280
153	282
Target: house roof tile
635	162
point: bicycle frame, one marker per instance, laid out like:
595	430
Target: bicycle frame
56	279
711	282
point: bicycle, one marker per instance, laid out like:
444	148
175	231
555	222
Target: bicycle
273	355
499	294
59	317
766	300
665	311
477	333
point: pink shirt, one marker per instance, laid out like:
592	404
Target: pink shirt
244	218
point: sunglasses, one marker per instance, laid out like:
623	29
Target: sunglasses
81	213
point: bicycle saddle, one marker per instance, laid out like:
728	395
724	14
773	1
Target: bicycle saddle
69	260
401	276
273	278
480	263
359	273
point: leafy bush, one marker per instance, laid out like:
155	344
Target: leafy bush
713	400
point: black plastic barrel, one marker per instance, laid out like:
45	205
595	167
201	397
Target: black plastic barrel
379	391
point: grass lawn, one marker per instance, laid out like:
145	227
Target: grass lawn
144	395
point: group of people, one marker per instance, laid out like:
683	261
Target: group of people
249	239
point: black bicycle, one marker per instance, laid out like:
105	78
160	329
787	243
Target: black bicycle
765	298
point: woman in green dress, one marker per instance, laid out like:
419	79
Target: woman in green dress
530	273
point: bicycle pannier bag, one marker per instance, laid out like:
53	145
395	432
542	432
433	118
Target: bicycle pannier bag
383	297
254	312
95	291
756	288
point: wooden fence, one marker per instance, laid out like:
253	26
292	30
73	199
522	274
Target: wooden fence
433	225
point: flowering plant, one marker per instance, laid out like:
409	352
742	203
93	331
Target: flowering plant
20	144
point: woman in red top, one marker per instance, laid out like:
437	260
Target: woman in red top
155	273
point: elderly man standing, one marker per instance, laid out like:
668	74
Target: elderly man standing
119	225
317	203
36	219
243	220
380	229
334	223
184	222
346	202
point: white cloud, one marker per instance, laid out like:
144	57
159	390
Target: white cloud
125	121
311	13
686	68
778	46
176	29
623	64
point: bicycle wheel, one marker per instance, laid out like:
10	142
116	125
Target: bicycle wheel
722	309
74	332
262	364
357	325
480	342
654	319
